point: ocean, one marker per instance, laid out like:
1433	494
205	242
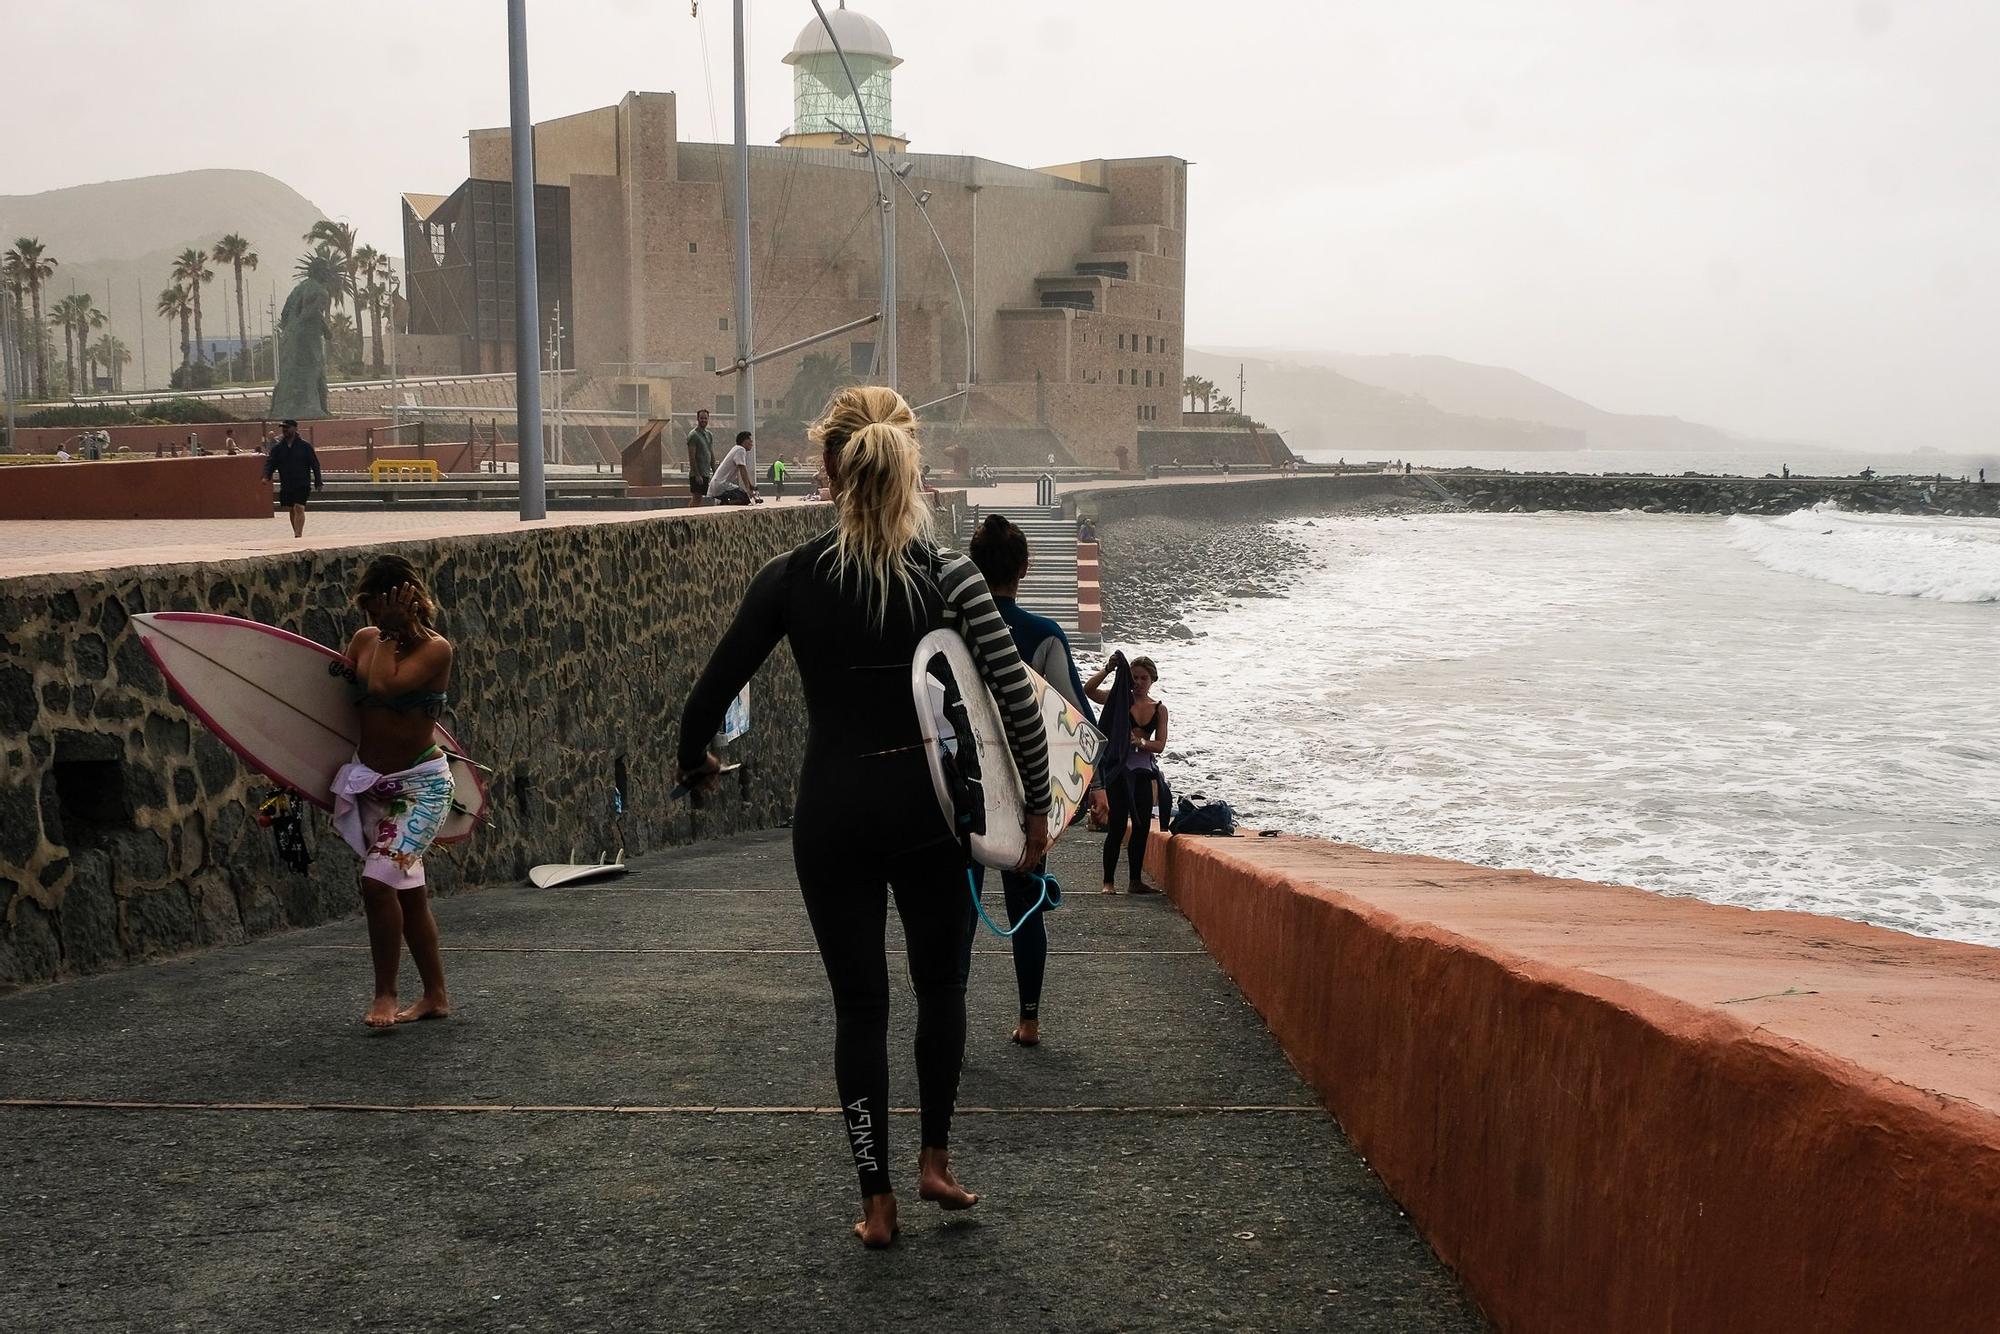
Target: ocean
1799	712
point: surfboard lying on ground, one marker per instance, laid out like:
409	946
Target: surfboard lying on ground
572	872
277	700
943	673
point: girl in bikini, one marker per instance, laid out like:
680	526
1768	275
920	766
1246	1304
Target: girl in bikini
390	802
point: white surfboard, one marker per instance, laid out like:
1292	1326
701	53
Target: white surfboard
279	702
573	872
1074	747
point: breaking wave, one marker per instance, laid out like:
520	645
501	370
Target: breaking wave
1947	560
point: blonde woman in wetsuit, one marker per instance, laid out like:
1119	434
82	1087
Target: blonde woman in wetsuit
854	603
391	800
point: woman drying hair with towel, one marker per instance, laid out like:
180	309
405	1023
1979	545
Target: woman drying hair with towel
390	802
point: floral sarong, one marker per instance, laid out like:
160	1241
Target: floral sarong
392	819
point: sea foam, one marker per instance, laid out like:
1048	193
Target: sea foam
1948	560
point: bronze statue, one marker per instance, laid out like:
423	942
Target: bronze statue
302	334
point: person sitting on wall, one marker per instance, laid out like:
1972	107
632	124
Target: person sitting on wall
734	483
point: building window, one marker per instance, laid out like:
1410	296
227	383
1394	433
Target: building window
1149	342
725	405
1121	342
861	358
691	247
708	363
1142	412
1149	379
722	323
1121	377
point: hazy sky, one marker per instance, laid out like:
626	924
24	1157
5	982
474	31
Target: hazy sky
1778	216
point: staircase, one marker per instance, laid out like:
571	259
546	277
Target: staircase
1050	588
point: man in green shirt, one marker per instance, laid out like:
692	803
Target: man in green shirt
701	456
778	478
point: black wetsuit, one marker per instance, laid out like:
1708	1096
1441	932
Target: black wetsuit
867	816
1131	789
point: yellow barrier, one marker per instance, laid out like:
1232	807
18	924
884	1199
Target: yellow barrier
404	470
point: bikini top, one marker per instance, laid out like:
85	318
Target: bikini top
430	702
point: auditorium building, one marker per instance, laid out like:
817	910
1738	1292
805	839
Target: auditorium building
1064	325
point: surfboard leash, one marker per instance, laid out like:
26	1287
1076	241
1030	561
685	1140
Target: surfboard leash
1049	901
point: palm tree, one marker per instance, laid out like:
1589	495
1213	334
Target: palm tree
15	280
83	317
174	305
234	251
327	267
820	376
76	315
191	271
338	237
368	291
29	259
1225	404
111	353
1191	388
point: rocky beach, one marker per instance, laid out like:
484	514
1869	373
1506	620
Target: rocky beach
1158	569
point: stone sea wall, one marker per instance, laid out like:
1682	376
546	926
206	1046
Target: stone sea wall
127	831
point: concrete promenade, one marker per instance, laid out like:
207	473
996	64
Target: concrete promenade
628	1126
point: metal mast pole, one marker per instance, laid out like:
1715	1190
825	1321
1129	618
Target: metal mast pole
746	374
7	323
527	295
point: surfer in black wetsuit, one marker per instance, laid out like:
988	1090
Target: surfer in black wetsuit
854	603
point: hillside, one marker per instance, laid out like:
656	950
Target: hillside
116	240
1465	389
1322	411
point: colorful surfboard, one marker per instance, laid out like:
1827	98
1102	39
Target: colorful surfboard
1074	746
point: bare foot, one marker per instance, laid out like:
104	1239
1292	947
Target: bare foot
935	1181
1027	1033
427	1007
1109	888
878	1227
382	1014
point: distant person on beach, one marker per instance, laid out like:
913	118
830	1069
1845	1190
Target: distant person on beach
62	454
701	457
229	441
778	479
1131	770
295	465
734	483
1000	550
392	799
854	603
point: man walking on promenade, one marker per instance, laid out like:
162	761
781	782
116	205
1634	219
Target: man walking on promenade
296	467
701	457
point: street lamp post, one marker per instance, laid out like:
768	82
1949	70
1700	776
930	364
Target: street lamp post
527	295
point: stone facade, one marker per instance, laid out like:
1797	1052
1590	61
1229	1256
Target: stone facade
127	831
652	262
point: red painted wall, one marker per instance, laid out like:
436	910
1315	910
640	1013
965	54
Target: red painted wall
215	487
1613	1112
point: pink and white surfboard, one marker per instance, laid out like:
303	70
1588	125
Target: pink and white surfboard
280	702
